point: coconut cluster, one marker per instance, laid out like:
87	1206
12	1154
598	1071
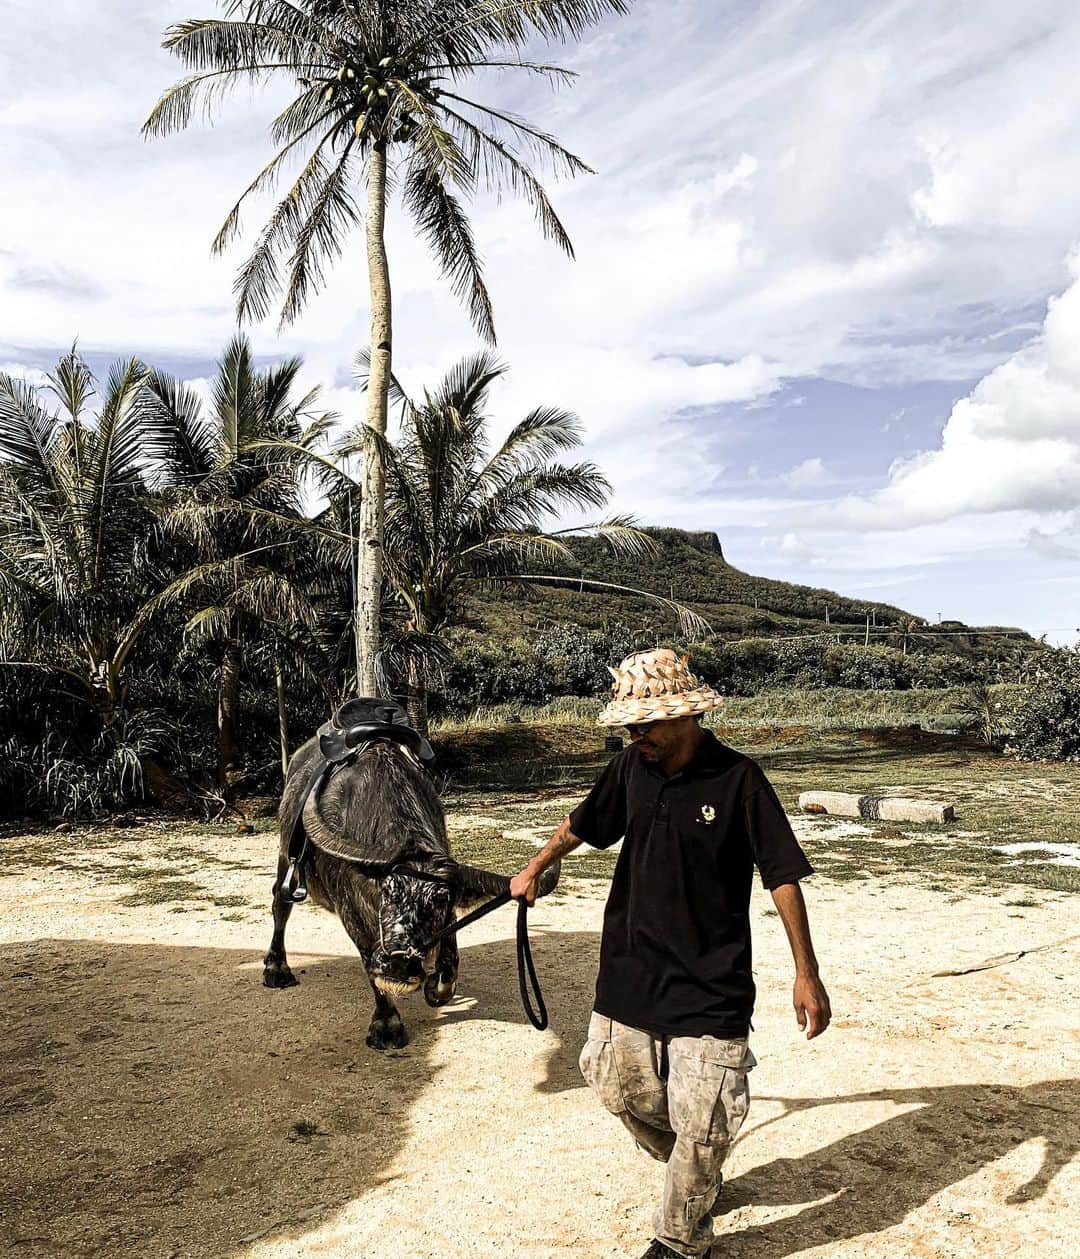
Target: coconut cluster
369	94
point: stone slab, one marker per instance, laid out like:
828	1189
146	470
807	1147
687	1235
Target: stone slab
876	808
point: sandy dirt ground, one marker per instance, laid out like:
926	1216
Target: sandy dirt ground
158	1101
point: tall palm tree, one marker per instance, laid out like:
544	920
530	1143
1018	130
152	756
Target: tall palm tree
379	97
247	580
907	630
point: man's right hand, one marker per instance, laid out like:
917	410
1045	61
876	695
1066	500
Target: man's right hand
524	886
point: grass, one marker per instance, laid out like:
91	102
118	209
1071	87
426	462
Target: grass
508	786
939	708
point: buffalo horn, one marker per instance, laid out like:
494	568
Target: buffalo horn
480	884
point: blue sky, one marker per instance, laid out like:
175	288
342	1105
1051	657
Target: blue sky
826	299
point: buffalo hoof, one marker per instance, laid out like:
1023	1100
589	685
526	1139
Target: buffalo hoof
438	989
387	1034
278	975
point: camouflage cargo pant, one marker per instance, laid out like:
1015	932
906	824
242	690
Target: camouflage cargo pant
683	1098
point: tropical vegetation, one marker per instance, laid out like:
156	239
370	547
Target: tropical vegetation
380	97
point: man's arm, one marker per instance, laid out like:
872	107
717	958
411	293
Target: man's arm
810	999
523	886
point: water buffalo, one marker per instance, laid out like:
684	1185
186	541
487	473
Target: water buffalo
377	804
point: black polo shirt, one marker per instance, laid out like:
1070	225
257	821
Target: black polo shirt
675	956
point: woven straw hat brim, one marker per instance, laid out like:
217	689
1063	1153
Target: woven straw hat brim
621	712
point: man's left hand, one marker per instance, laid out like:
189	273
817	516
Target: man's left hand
811	1001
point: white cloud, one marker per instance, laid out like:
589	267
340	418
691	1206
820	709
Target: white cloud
793	546
809	472
1013	444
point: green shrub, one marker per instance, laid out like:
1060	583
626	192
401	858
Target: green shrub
1046	719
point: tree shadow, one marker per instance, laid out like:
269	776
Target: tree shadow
874	1178
159	1101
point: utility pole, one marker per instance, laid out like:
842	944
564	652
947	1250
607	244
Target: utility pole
867	642
826	614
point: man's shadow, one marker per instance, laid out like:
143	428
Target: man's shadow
874	1178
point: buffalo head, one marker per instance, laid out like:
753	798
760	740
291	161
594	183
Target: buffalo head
418	898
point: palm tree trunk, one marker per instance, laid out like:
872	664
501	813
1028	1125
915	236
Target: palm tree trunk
416	695
369	587
282	713
228	704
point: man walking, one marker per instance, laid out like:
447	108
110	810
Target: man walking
667	1048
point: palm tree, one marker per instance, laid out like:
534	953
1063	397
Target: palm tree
907	629
458	515
74	519
76	567
455	514
377	99
249	579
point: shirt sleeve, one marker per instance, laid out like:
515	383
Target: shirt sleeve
600	819
777	853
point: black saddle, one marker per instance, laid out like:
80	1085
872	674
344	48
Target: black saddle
363	718
355	723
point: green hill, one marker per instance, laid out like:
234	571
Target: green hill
692	569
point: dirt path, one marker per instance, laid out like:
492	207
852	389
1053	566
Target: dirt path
157	1101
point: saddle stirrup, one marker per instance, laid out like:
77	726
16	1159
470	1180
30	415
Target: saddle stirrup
294	885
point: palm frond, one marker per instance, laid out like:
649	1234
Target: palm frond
206	88
543	144
554	74
331	476
622	535
187	448
223	44
72	382
441	220
117	458
496	552
258	280
28	436
266	178
464	387
499	167
320	236
435	147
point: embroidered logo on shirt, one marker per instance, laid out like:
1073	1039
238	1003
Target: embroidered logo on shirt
708	814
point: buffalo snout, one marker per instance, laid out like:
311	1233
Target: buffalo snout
397	970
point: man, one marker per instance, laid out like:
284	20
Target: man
667	1049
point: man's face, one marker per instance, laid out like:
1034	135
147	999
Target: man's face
654	738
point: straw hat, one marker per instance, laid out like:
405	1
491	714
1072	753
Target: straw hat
654	686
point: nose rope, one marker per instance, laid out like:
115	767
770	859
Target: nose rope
527	976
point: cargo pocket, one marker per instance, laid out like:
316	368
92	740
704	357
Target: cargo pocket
708	1092
598	1066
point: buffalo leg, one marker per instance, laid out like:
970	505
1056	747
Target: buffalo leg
440	987
276	972
386	1031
